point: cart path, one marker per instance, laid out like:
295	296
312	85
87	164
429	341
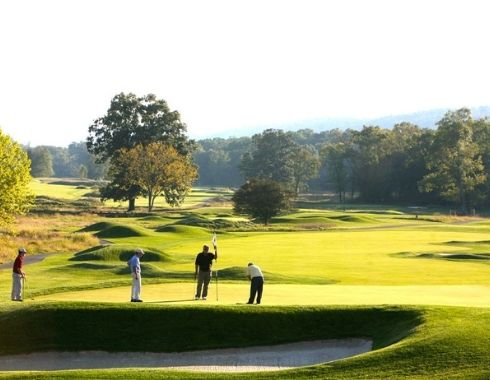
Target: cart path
260	358
28	259
32	259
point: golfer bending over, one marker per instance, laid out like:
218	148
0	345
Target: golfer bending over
203	265
256	278
135	268
18	276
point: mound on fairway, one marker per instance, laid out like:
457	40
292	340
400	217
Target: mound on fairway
195	220
239	273
354	218
185	230
116	253
100	226
112	230
148	270
89	266
119	232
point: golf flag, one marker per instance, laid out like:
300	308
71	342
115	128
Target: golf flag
214	240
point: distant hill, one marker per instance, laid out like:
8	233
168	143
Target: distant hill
424	119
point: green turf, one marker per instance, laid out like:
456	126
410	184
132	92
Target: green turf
116	252
409	342
369	254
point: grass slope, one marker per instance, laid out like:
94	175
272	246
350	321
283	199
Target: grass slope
410	342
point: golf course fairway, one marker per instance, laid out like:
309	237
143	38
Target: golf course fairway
419	290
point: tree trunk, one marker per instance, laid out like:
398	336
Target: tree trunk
150	201
132	203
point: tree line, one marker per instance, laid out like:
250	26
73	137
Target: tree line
73	161
406	164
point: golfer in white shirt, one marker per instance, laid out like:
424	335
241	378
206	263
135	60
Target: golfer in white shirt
256	278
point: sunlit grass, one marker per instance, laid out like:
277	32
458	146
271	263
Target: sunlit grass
292	294
365	256
46	234
51	190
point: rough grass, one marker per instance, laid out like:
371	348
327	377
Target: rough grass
45	234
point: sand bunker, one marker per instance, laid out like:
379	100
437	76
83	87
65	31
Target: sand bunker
262	358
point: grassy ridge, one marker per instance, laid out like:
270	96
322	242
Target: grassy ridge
124	327
411	343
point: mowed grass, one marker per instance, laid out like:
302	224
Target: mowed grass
58	191
401	256
67	190
360	257
289	294
409	342
311	258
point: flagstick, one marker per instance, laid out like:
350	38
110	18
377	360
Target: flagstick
216	285
214	240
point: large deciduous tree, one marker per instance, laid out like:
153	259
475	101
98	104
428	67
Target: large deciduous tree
130	121
158	169
305	166
272	157
41	162
455	163
371	154
335	157
15	196
261	198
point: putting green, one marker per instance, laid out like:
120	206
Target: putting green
291	294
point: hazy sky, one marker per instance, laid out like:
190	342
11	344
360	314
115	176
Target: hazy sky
228	64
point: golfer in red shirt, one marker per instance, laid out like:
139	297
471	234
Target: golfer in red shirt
18	276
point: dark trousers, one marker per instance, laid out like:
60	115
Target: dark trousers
203	279
256	287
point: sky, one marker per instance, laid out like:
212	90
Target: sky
227	65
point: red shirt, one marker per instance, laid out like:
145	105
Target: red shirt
18	264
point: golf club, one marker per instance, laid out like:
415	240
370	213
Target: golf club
24	284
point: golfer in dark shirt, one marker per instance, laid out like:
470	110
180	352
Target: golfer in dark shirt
203	265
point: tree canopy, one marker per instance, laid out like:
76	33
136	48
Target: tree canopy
132	121
41	162
455	163
15	195
272	157
261	198
158	169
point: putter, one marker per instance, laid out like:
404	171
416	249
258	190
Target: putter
24	282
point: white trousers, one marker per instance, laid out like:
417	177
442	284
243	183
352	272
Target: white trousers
17	283
136	288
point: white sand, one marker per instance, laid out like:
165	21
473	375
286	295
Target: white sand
262	358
